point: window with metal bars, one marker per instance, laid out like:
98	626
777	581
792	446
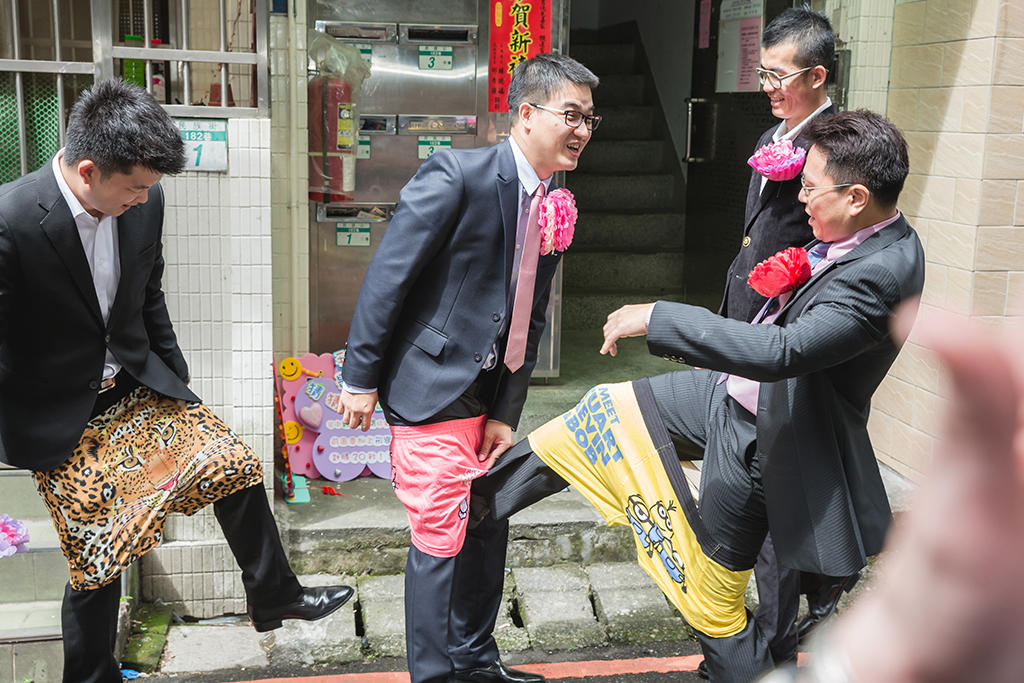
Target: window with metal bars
185	52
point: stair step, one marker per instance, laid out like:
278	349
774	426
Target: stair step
30	642
606	59
624	121
35	661
588	312
636	192
615	271
366	531
19	495
622	89
39	574
623	156
31	620
629	231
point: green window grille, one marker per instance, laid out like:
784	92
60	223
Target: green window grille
42	119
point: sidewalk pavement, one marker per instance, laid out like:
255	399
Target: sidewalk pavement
571	581
564	607
582	601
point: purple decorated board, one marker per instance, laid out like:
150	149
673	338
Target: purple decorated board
339	453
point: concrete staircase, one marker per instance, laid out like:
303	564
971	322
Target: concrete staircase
629	238
31	588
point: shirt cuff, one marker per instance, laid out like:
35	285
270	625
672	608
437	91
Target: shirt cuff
647	322
356	390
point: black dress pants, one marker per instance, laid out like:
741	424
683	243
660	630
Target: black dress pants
778	602
89	617
451	604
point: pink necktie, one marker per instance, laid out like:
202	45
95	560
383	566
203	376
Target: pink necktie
522	306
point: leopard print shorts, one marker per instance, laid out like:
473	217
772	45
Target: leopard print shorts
146	456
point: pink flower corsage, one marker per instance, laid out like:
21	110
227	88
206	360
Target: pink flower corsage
13	536
778	160
557	220
781	273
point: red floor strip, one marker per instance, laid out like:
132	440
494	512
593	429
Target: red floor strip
555	670
589	669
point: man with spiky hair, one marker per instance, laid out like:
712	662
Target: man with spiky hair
94	395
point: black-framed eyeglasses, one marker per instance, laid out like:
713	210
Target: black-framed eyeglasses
775	79
573	118
807	188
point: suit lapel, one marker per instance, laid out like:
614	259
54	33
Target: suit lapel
59	226
129	234
757	196
508	198
880	240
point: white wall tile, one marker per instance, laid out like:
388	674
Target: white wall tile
217	280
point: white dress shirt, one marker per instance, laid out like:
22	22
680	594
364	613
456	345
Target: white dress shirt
99	240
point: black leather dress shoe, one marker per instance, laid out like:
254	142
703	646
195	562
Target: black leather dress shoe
821	603
496	671
312	604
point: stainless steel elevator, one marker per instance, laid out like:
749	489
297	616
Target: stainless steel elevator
427	89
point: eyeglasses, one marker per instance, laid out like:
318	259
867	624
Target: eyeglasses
808	188
573	118
775	79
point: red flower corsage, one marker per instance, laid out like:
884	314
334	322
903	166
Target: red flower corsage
778	161
557	220
781	273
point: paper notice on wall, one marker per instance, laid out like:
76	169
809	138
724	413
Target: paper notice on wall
704	25
750	53
739	45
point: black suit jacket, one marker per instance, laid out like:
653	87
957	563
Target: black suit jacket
52	336
774	219
818	365
437	293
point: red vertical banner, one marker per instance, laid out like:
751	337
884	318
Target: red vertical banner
519	29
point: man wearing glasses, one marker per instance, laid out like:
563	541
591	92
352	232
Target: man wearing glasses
445	333
797	50
780	409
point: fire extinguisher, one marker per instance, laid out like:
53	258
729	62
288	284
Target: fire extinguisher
332	140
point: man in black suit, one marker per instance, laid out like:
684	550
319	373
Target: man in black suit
797	50
83	324
781	410
433	334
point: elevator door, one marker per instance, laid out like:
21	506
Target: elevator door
724	128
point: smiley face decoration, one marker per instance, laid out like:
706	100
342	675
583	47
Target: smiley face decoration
318	444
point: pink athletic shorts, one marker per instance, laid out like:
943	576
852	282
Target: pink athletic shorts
433	467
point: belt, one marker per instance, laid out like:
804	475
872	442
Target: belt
108	384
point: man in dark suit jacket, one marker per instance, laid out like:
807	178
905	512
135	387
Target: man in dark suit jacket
781	410
432	323
83	322
797	50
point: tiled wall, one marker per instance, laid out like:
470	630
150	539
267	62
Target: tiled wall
290	173
217	247
957	92
865	28
237	282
